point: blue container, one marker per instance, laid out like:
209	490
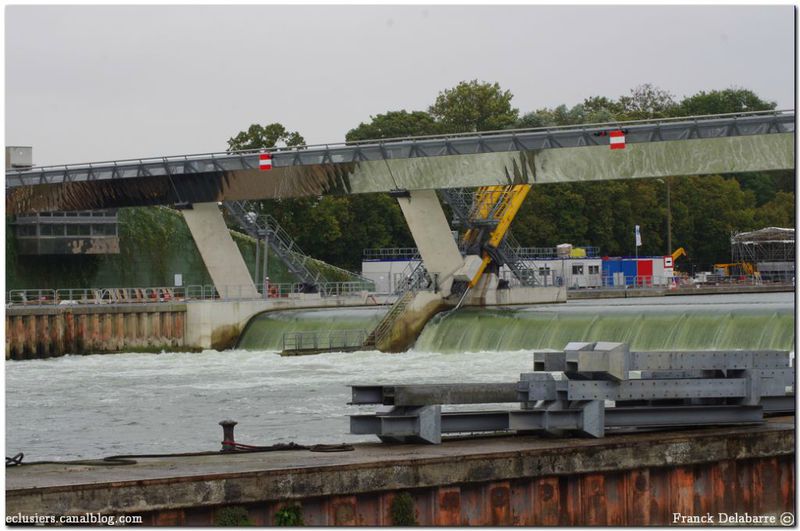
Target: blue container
629	269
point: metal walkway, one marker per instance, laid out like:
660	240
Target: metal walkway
503	157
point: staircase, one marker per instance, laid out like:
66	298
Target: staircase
313	273
385	325
266	227
518	266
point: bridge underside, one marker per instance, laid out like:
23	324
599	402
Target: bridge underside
569	164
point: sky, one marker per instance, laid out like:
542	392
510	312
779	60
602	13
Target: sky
94	83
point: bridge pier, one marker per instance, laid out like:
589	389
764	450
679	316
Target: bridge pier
433	237
220	254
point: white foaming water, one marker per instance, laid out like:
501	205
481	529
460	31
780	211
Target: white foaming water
93	406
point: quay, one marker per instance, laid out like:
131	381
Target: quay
623	479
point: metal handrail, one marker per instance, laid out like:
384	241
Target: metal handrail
141	295
246	152
323	339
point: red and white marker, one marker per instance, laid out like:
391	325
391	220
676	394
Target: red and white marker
265	161
617	139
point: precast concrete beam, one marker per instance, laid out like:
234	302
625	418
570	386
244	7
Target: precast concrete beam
219	252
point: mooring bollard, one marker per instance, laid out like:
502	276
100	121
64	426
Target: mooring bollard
228	442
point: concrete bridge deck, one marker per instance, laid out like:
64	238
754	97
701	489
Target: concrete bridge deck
622	479
684	146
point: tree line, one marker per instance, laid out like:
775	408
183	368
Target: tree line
705	210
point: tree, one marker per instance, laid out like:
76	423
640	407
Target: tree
723	101
561	115
263	137
779	212
646	101
394	124
472	106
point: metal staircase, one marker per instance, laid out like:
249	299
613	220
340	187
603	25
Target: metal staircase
314	274
385	325
266	227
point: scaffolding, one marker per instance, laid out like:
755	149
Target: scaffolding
771	244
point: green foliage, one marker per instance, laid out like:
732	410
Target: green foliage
394	124
779	212
267	136
402	511
473	106
289	516
645	102
232	517
561	115
723	101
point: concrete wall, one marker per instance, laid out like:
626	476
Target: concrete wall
42	332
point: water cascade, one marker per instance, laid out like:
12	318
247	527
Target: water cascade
752	321
265	331
643	326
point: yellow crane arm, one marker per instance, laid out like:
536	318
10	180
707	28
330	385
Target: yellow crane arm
680	251
501	203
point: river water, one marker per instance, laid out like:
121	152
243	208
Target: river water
93	406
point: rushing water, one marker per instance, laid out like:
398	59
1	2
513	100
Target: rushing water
92	406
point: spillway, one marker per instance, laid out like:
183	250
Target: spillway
758	321
265	331
743	321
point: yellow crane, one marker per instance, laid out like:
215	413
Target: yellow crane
497	206
677	253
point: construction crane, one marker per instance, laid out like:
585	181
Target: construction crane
677	253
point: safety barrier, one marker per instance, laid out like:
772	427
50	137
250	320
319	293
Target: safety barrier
323	340
580	281
140	295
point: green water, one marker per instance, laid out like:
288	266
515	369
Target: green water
265	331
750	321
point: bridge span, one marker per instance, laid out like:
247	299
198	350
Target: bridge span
684	146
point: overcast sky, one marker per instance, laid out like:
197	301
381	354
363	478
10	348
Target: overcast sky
98	83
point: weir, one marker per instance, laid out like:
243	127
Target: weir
682	323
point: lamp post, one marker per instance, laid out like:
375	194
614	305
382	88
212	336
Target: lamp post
667	181
669	218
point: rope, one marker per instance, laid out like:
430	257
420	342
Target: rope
238	448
